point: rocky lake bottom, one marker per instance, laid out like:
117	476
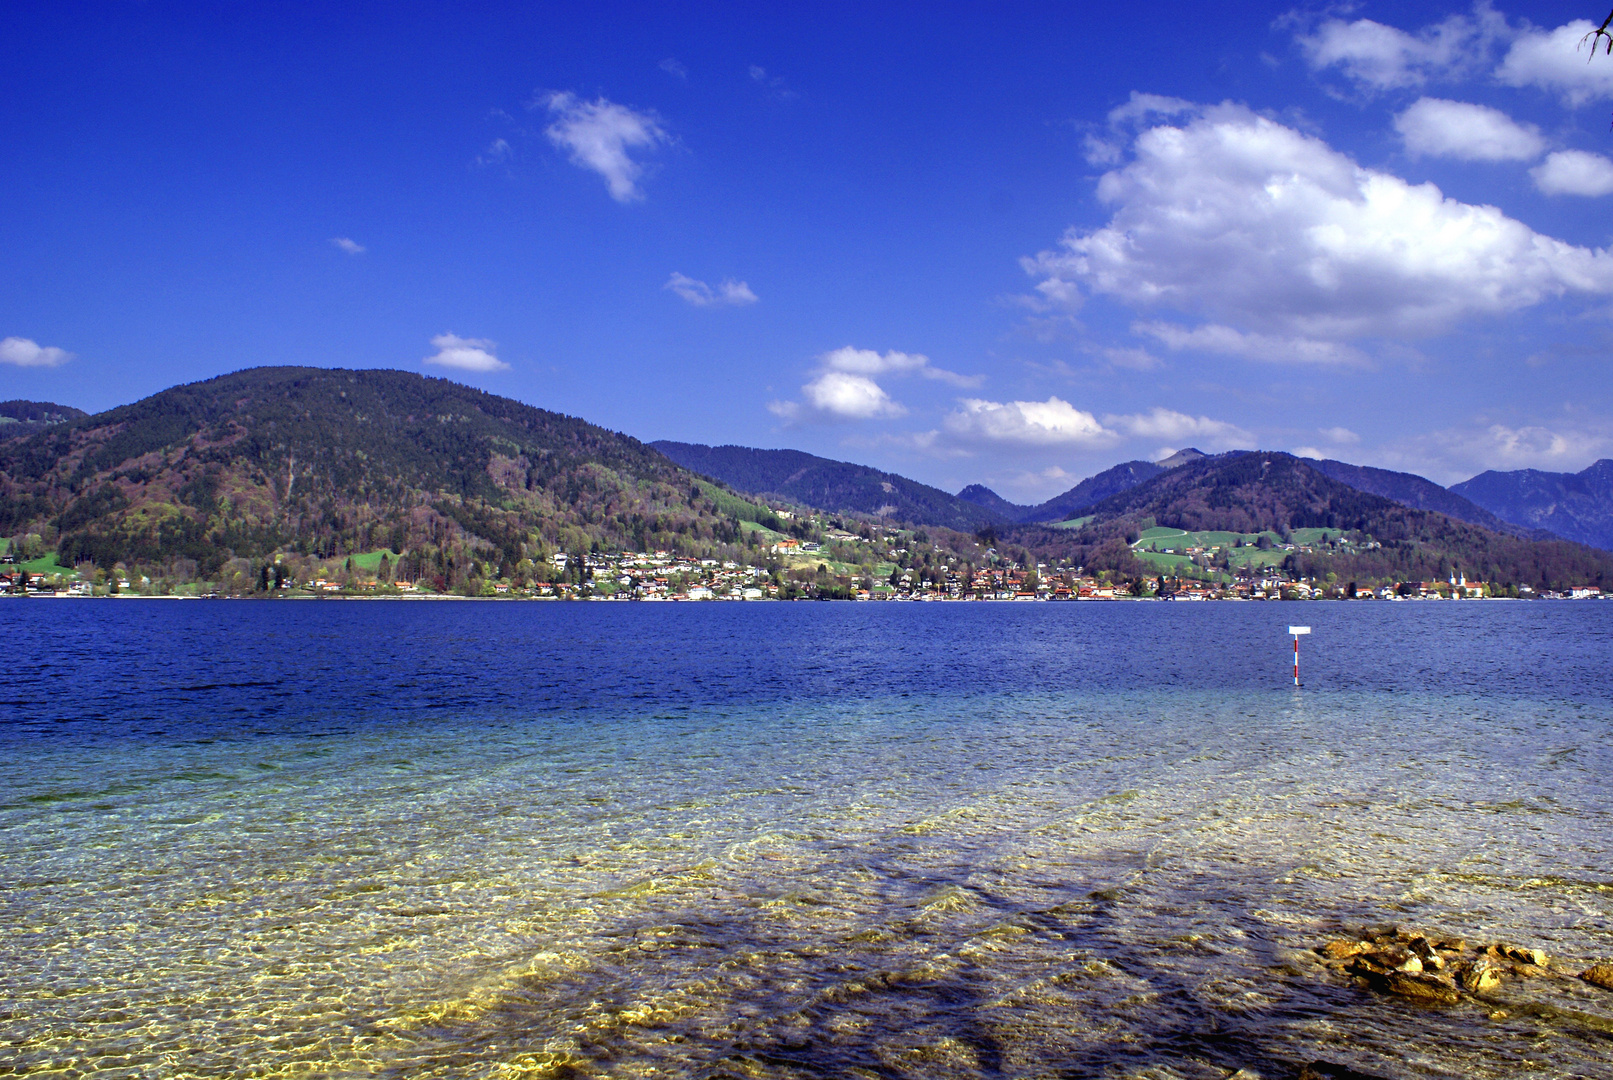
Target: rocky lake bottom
806	840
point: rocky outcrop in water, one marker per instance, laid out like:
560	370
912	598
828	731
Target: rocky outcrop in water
1434	970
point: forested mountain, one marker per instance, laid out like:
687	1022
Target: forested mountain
1578	506
1412	490
326	462
20	417
1259	491
983	496
835	486
1070	504
1093	490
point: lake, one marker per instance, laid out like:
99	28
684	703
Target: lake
502	839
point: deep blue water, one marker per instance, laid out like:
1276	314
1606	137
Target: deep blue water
96	671
529	839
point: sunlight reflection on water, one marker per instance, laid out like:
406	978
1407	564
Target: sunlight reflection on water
1086	875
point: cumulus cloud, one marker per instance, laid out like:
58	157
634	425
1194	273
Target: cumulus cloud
466	354
1455	454
728	293
1340	435
1053	422
855	397
1160	423
23	352
869	362
844	387
1225	341
673	68
600	135
1574	172
1378	57
1555	61
1435	127
352	247
1273	234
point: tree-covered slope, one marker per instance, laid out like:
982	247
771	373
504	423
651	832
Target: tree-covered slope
327	461
21	417
983	496
1091	491
1269	491
1578	506
825	484
1415	491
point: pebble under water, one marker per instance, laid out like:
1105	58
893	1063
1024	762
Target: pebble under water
512	839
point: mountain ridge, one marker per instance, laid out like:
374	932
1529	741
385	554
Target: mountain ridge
1577	506
1271	491
326	460
830	485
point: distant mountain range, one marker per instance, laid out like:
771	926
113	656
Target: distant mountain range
1072	503
317	462
1577	506
1527	504
834	486
1261	491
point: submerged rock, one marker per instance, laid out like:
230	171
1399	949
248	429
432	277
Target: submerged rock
1418	986
1439	970
1342	950
1599	975
1480	978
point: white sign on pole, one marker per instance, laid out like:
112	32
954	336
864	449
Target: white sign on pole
1297	630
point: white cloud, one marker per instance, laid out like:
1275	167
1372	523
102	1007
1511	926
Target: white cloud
1258	226
1574	172
1160	423
1554	60
23	352
1310	452
673	68
497	152
869	362
1380	57
1053	422
466	354
352	247
1340	435
599	135
1132	359
775	84
1456	454
728	293
850	397
1143	107
1225	341
1435	127
844	387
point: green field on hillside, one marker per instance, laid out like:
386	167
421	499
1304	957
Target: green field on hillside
46	564
370	561
1164	549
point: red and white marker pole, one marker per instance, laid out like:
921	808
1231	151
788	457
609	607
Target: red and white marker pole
1296	631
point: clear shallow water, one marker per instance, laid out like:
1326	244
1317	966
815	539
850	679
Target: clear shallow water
790	840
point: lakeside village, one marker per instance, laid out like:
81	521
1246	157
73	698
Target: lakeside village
873	563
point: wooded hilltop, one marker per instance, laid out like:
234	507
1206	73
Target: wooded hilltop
273	475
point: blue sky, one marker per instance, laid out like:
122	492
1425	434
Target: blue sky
1009	243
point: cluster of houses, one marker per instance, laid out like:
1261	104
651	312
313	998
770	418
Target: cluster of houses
662	575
